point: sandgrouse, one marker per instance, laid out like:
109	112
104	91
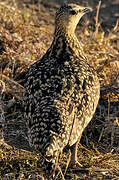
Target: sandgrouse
61	90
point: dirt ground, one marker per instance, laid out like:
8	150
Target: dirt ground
99	148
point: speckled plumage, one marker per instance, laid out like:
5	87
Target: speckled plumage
61	90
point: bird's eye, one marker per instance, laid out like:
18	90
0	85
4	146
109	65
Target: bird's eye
73	12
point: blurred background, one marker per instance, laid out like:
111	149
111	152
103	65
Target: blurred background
109	12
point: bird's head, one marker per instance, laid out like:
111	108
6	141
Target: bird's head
68	16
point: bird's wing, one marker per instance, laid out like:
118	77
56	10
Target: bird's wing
87	91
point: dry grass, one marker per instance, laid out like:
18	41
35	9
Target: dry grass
22	42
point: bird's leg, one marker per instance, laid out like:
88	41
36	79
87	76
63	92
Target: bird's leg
73	160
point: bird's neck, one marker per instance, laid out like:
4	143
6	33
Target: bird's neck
64	42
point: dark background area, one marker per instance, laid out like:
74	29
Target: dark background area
109	11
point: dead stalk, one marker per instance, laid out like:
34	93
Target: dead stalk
97	17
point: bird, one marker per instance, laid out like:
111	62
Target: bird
61	90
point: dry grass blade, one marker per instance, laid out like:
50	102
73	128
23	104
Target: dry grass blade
97	18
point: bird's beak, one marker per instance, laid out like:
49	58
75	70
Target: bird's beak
87	10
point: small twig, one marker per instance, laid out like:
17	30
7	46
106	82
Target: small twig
10	81
67	165
101	134
108	108
97	17
2	117
85	148
114	29
112	135
60	172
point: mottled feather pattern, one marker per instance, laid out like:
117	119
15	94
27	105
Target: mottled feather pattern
58	94
61	92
